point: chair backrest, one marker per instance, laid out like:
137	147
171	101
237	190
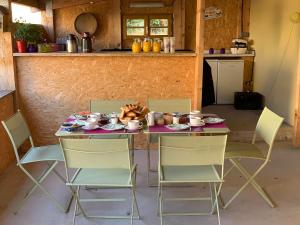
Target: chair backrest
96	153
192	150
170	105
18	131
108	106
268	126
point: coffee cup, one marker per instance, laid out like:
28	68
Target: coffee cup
95	115
91	121
134	124
196	121
176	119
195	113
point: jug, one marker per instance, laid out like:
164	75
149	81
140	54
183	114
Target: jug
147	45
136	45
150	117
156	45
72	43
86	42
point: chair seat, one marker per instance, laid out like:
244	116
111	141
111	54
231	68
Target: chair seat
243	150
181	174
43	153
102	177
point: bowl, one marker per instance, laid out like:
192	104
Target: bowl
238	50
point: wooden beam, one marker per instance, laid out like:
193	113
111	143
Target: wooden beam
5	16
199	52
296	139
7	71
48	20
57	4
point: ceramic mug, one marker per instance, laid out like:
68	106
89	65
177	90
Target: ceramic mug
176	119
196	121
195	113
134	124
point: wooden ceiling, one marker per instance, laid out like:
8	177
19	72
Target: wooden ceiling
68	3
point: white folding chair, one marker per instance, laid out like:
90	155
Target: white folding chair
191	159
18	133
108	106
101	163
267	128
165	106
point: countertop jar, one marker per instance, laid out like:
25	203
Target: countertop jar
147	45
156	45
136	45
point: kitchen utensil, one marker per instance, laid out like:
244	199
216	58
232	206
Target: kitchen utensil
72	43
86	43
86	22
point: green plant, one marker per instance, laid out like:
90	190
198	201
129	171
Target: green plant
32	33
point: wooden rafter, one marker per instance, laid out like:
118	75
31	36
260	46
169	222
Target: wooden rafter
57	4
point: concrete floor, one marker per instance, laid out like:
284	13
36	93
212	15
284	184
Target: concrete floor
280	178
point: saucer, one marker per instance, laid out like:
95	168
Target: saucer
177	126
93	127
213	120
112	127
197	125
140	127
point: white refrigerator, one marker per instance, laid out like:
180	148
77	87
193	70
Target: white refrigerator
228	76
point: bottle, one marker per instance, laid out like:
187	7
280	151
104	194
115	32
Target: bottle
86	43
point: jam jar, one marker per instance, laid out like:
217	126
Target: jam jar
136	45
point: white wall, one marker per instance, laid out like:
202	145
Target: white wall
270	29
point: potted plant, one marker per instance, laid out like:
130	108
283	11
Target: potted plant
27	34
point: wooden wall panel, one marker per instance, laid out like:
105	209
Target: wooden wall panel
190	24
6	150
48	96
220	32
109	22
6	62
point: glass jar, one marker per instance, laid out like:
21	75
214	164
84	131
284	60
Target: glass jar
147	45
136	45
156	45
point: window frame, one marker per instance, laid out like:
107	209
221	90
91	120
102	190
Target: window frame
147	27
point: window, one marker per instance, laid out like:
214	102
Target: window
25	14
141	26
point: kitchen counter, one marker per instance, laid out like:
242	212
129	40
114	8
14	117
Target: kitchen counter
228	55
109	54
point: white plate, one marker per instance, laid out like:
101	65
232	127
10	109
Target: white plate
213	120
140	127
93	127
198	125
177	126
111	127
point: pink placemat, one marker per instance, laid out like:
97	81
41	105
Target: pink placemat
163	129
218	125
